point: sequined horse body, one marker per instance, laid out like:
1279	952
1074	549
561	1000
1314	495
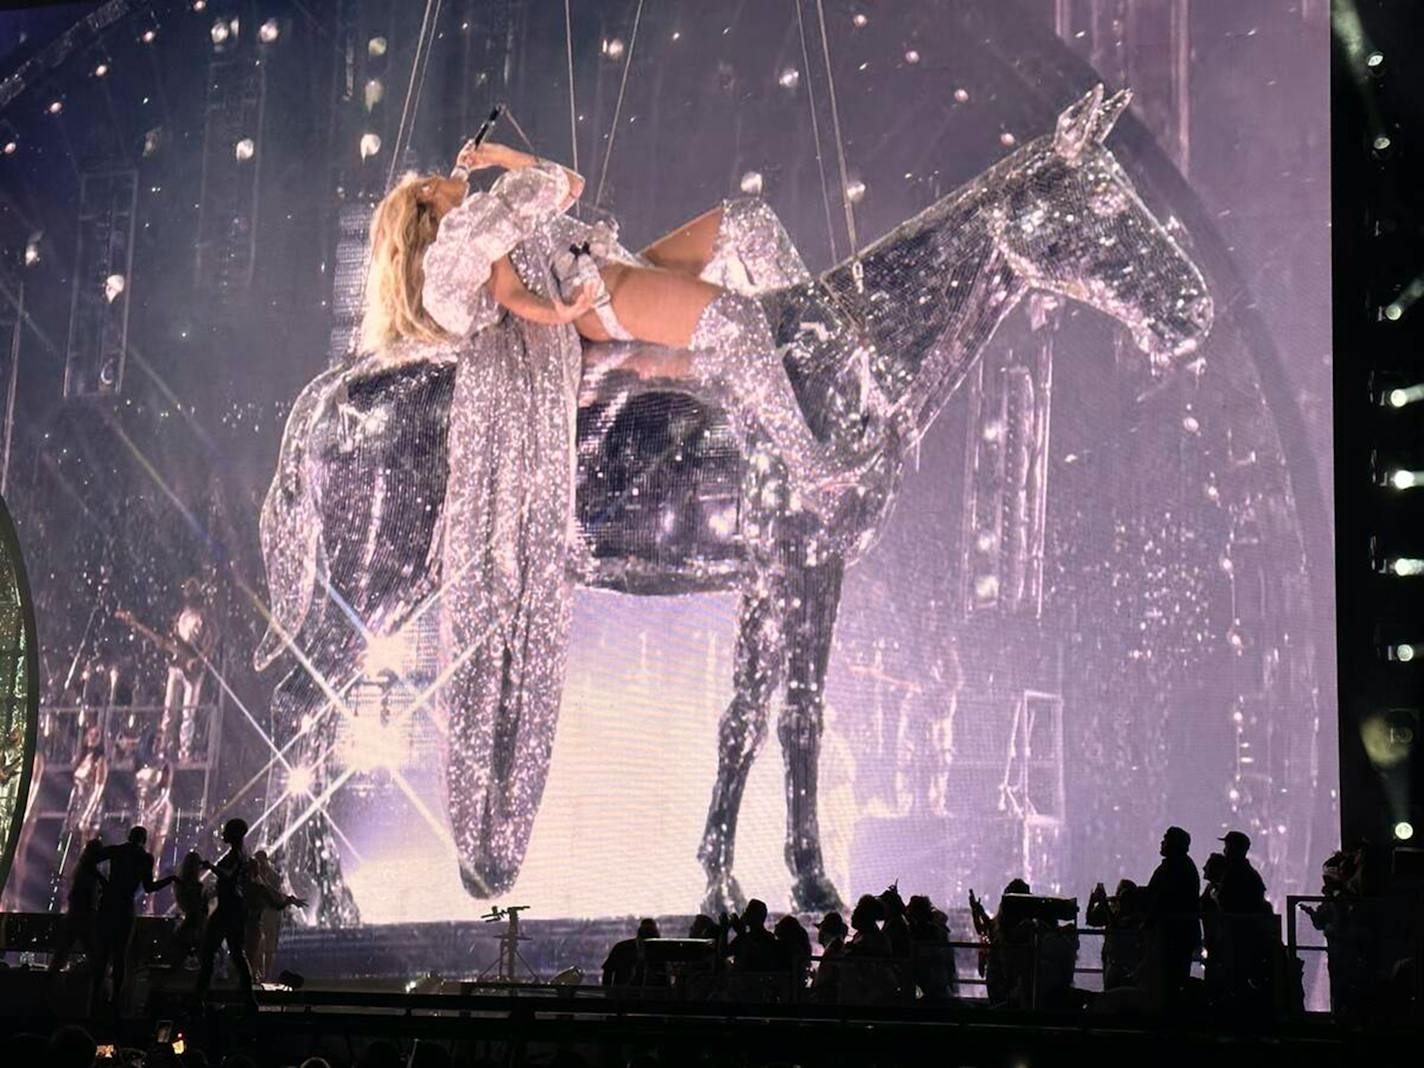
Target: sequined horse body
670	501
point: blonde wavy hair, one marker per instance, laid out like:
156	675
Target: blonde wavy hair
402	228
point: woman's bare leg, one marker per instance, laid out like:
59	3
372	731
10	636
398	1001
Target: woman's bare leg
723	338
688	249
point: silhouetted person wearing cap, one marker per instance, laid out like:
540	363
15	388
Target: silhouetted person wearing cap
226	926
130	871
1242	889
627	962
1247	928
1174	911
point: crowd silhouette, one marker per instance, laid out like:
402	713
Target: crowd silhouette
1155	937
1192	943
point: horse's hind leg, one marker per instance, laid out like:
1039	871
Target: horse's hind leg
759	658
814	593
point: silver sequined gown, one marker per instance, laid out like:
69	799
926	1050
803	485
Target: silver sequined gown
507	596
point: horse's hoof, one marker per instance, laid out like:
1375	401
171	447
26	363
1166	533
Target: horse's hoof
815	893
723	896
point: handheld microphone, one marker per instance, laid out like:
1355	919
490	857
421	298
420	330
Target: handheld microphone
460	171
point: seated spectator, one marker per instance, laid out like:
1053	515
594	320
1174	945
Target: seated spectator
627	963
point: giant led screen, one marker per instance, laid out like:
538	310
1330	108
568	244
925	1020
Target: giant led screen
970	522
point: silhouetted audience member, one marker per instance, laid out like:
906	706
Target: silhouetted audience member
868	974
1214	929
704	926
830	935
1248	933
794	949
1348	938
130	870
226	926
71	1047
754	949
81	914
932	958
1122	917
1241	889
1007	962
868	940
627	962
1174	913
895	926
319	1062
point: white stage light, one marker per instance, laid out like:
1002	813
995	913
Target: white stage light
220	32
1403	478
300	781
269	31
1406	565
385	655
114	287
370	145
244	150
1404	830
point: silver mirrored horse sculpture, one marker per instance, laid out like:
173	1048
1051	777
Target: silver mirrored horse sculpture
670	501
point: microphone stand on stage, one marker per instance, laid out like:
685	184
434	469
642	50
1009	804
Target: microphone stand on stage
505	966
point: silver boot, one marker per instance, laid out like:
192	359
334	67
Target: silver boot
733	350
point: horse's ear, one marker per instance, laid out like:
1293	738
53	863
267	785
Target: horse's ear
1110	112
1077	125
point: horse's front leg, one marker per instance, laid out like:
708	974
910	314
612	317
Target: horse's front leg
814	594
759	659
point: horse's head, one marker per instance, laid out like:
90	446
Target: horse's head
1070	222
